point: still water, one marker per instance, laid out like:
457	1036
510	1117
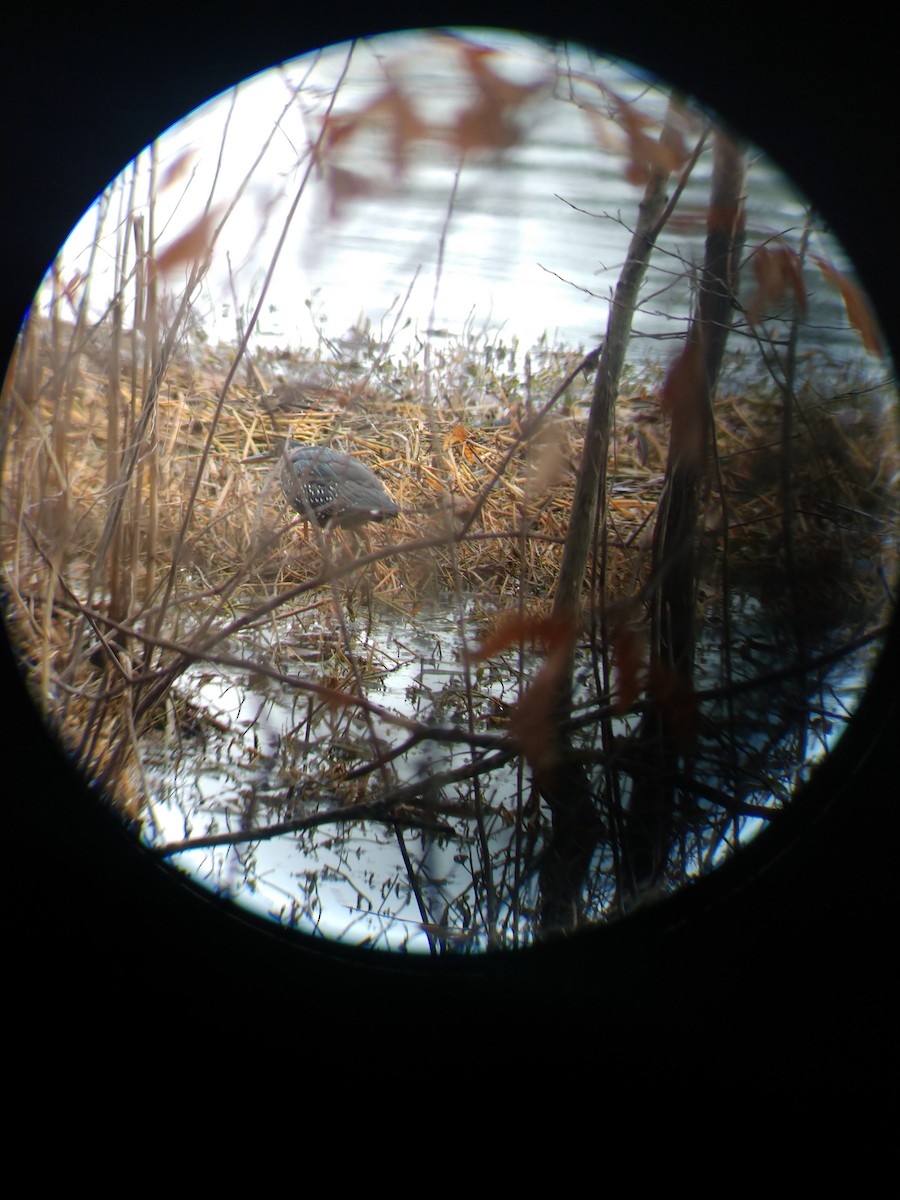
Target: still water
241	806
524	242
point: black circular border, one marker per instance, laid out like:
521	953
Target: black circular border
784	958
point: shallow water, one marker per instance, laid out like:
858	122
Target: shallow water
459	870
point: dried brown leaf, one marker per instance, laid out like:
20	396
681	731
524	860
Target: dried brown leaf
483	127
504	94
335	699
647	153
778	271
178	168
391	108
627	663
535	720
514	629
343	186
856	302
683	398
488	123
457	435
192	246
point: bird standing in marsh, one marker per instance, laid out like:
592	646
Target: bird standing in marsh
333	489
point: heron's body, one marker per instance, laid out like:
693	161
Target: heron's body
332	488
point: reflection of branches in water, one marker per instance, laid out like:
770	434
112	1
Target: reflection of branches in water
384	808
758	741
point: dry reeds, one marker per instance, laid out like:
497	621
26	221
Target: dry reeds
242	550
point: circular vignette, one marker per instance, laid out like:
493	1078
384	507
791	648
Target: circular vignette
106	902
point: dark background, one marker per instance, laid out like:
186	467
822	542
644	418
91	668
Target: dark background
778	974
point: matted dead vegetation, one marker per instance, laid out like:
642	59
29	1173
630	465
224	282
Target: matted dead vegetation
133	546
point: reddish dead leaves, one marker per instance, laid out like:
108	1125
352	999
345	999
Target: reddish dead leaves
178	168
664	685
457	436
683	399
464	441
535	719
648	154
489	123
516	629
779	276
778	273
390	109
627	657
193	246
620	128
859	311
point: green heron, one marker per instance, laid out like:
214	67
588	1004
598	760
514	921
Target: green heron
332	489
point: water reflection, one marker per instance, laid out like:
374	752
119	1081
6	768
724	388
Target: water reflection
273	798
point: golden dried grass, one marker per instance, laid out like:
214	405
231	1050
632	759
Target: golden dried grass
102	608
